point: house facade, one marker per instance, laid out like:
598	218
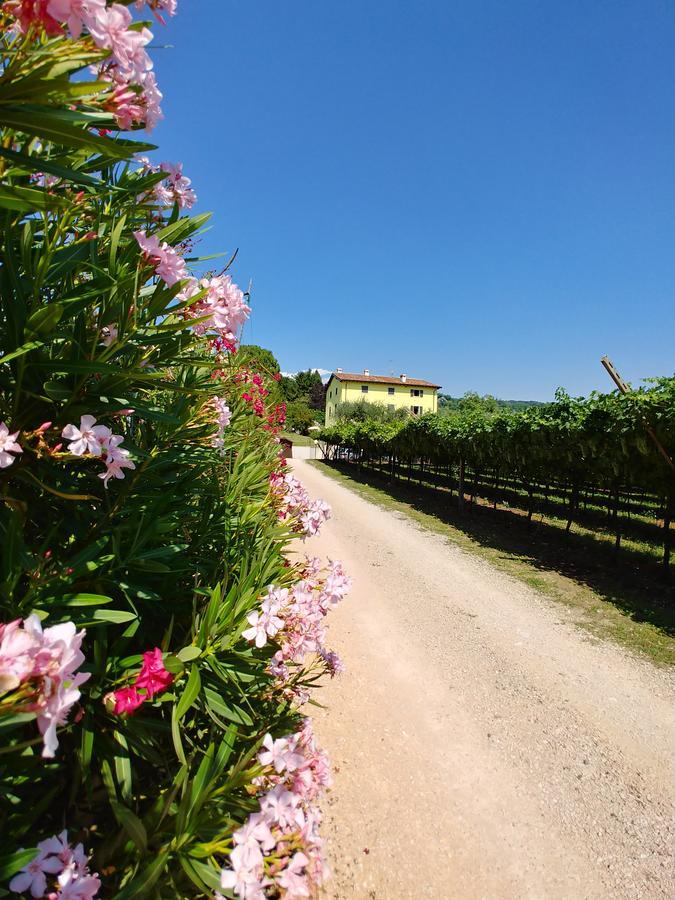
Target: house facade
413	394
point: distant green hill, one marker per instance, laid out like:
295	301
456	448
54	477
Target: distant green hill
470	400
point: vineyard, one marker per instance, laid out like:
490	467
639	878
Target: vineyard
159	638
582	463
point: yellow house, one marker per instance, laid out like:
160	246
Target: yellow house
413	394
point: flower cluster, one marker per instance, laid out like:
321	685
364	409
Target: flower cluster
294	502
255	392
279	847
167	263
98	440
221	310
151	680
135	97
224	415
158	6
174	188
37	673
293	619
8	446
67	867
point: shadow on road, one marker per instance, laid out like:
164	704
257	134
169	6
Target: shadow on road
636	587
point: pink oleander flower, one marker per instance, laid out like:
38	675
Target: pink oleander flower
32	13
252	838
56	661
168	264
46	662
109	28
262	626
247	882
84	888
126	104
33	877
222	309
280	754
158	6
282	807
8	446
333	662
126	700
76	13
153	675
151	680
68	864
117	458
175	188
224	418
294	878
279	847
314	516
17	648
88	438
152	98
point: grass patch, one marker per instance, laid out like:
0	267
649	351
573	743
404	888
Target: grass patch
302	440
630	605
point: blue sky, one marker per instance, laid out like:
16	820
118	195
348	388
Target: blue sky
476	192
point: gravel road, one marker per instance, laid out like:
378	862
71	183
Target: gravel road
484	746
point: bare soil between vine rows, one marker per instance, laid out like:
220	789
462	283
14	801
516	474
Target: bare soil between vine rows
484	746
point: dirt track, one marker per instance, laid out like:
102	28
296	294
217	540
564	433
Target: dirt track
485	747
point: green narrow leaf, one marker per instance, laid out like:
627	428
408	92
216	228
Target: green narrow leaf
190	693
24	348
187	654
146	878
123	767
114	615
203	876
14	862
175	735
132	825
85	600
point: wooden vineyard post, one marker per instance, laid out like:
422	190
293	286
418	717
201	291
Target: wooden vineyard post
625	389
460	486
667	516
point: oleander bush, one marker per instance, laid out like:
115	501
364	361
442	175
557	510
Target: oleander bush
158	638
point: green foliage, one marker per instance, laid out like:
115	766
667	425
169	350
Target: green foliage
289	388
299	417
597	441
175	555
448	404
305	396
306	380
363	411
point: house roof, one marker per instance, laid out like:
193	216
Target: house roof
383	379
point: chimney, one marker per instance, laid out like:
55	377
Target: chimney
404	377
366	371
339	371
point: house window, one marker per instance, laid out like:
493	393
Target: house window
416	410
364	388
416	392
390	391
